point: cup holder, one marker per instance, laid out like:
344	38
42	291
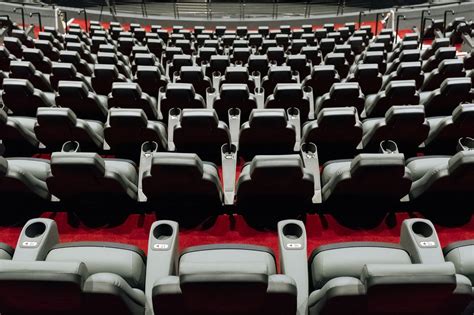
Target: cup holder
309	148
162	90
293	111
210	90
175	112
292	231
307	89
163	232
259	90
229	149
422	229
466	144
35	230
149	147
234	112
70	146
388	147
256	73
216	74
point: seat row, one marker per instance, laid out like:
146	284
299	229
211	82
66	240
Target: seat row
360	277
181	186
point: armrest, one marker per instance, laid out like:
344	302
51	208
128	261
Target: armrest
163	245
419	238
293	258
37	237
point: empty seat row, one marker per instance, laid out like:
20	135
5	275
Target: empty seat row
363	277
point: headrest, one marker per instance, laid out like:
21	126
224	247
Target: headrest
70	56
337	116
345	91
268	167
145	59
384	166
64	70
324	71
409	55
440	42
294	59
4	53
12	41
73	89
106	70
367	70
54	116
335	58
401	87
33	54
462	164
445	53
409	44
280	73
128	118
148	71
191	74
77	164
288	91
127	90
18	87
234	92
376	47
398	115
107	57
219	59
175	165
456	86
142	50
411	37
327	42
47	36
106	48
374	57
78	47
408	69
3	165
268	118
199	118
344	48
236	74
374	275
180	92
463	114
22	68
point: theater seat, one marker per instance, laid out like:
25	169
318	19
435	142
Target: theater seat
25	70
23	184
37	58
180	186
195	76
200	131
243	279
17	135
268	132
439	181
445	131
368	77
238	75
406	71
336	132
379	180
273	187
396	93
67	72
84	277
451	68
451	93
406	125
85	180
150	80
103	78
23	99
289	95
85	104
127	128
382	278
341	95
443	53
277	74
130	95
234	96
180	95
321	79
56	126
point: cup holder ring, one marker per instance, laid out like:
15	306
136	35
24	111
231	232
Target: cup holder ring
163	232
35	230
292	231
422	229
